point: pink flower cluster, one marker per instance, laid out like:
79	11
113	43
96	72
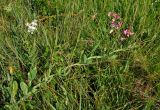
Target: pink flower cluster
116	23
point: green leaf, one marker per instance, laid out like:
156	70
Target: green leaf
32	74
85	58
24	88
14	88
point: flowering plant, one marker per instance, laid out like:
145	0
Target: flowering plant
32	26
116	24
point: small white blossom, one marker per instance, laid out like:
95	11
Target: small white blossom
109	14
32	26
111	31
122	39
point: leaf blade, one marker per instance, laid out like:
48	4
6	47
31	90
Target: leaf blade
32	74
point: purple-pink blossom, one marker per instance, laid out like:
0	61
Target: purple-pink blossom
114	15
127	32
116	25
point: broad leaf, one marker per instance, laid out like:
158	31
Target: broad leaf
24	88
14	88
32	74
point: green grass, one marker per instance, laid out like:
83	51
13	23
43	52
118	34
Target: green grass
72	62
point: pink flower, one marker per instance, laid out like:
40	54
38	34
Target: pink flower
114	15
113	23
127	32
116	25
120	24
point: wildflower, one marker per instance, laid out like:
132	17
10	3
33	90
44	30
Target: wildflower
114	15
122	39
109	14
116	25
127	32
120	24
11	69
111	31
32	26
113	23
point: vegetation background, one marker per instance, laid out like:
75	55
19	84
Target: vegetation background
71	62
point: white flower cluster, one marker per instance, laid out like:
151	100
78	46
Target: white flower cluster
32	26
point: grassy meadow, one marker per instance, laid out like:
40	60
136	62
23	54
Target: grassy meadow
77	55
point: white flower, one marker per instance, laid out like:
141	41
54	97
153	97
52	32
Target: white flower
32	26
109	14
122	39
111	31
34	23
